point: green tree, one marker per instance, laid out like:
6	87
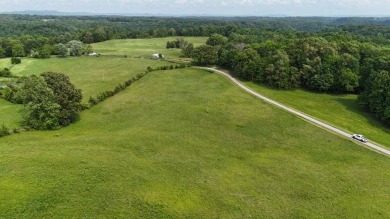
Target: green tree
66	95
376	96
45	51
18	49
75	47
62	50
205	55
188	50
40	111
2	52
15	61
217	40
87	49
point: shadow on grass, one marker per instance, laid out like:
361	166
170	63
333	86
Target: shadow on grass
354	106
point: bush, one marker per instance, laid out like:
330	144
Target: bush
5	73
4	131
16	61
92	101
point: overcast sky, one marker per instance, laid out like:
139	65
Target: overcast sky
209	7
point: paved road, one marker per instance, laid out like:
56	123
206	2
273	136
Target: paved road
370	145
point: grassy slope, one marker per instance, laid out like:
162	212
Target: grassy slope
342	111
144	48
91	74
9	114
187	143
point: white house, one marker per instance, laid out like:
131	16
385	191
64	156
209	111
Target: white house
92	54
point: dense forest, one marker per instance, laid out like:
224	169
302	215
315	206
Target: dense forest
20	34
337	55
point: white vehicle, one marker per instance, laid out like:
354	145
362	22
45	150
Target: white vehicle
359	138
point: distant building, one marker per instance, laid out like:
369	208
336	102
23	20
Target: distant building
92	54
157	56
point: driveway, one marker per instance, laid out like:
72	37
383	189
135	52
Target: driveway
309	118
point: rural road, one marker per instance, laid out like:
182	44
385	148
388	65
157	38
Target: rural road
370	145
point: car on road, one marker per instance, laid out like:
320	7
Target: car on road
359	138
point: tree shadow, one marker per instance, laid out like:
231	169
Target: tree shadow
354	106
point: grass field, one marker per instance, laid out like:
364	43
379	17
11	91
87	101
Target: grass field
5	63
342	111
189	144
91	74
9	114
144	48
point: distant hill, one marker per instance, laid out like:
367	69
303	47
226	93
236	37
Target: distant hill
60	13
54	13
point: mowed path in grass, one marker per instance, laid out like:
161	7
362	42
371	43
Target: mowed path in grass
341	111
189	144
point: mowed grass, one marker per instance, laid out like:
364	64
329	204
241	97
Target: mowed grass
342	111
144	48
91	74
5	63
189	144
9	114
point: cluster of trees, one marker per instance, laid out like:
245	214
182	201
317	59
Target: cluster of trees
375	87
179	43
73	48
312	63
50	101
99	28
41	47
39	36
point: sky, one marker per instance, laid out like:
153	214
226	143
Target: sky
209	7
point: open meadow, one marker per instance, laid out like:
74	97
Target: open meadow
342	111
188	143
91	74
144	48
182	143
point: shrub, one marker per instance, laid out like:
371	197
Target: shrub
4	131
16	61
92	101
5	73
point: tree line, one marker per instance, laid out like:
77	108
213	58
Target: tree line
38	36
312	63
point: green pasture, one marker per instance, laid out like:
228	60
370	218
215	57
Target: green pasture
144	48
91	74
342	111
5	63
189	144
9	114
